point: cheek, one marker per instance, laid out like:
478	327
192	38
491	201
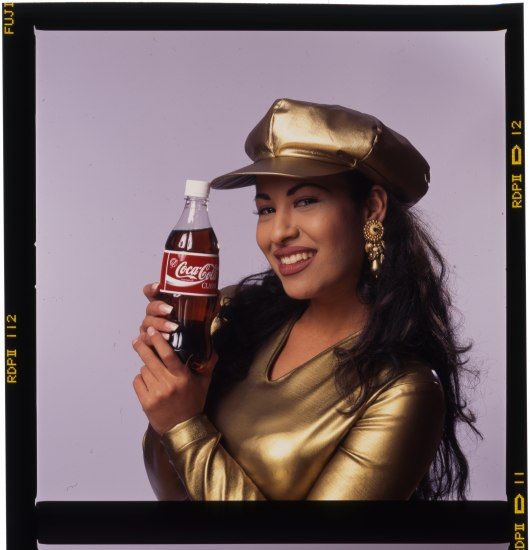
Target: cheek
340	238
335	232
262	237
347	253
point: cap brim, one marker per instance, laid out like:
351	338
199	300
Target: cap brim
289	167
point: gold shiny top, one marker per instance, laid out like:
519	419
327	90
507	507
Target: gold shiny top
288	439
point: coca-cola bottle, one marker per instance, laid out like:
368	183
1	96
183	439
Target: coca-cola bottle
189	277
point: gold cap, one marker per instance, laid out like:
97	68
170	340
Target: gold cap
298	139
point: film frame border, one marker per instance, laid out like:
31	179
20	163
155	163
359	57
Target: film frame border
113	522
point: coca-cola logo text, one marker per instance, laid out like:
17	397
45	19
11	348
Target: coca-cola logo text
206	272
189	273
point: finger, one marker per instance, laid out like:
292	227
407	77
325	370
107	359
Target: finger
158	308
144	337
166	352
151	290
140	388
159	323
148	378
151	361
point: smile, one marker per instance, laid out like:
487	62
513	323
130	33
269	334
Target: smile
294	263
295	258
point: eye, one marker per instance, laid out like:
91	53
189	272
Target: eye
306	201
264	211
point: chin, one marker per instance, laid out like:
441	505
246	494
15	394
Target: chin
298	290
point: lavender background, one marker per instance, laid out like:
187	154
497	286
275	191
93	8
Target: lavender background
123	118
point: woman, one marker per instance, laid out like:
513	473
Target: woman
337	371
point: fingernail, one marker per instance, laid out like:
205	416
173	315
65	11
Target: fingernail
150	331
165	335
134	341
170	327
166	308
154	286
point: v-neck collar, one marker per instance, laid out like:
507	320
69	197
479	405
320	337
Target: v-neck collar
280	343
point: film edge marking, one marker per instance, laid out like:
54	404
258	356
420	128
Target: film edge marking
519	509
11	349
516	127
8	23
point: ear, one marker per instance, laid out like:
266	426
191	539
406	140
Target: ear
375	205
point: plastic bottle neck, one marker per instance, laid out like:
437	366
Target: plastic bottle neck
195	214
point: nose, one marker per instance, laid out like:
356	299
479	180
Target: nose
284	227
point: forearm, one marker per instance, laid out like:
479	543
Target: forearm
205	467
164	480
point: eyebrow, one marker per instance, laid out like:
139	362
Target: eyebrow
292	190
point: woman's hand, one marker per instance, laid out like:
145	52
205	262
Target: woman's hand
156	315
168	391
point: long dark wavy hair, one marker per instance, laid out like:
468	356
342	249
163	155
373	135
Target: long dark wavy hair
410	317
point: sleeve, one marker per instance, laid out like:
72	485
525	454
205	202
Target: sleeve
162	477
383	457
205	467
387	452
164	480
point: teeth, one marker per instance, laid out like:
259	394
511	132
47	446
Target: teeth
294	258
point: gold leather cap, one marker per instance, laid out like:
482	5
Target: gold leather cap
301	140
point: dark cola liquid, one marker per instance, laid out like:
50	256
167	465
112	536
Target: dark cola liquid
194	314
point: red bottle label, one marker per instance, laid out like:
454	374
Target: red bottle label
189	273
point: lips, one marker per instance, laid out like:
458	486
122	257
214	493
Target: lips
293	259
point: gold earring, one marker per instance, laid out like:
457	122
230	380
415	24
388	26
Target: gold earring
375	246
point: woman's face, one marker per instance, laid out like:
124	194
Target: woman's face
311	233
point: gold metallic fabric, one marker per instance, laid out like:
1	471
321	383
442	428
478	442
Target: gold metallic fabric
291	439
299	139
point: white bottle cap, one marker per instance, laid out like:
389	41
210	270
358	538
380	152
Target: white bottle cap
197	188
